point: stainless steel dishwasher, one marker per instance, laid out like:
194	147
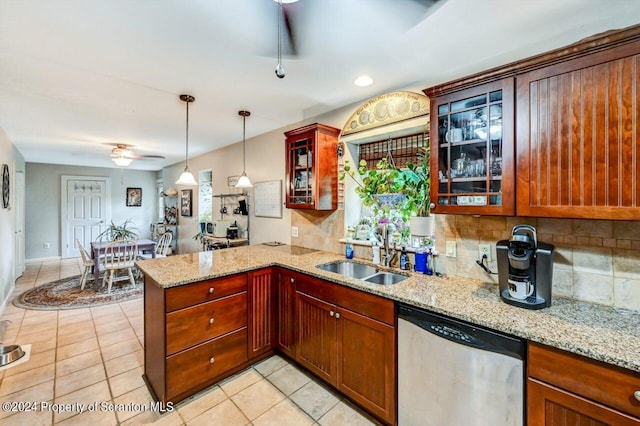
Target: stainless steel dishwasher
454	373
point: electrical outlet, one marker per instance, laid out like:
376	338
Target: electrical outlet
484	249
46	245
294	231
451	249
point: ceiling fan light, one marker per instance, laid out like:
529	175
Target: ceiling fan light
122	161
285	1
244	182
186	178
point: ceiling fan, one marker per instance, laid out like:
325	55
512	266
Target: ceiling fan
295	19
122	155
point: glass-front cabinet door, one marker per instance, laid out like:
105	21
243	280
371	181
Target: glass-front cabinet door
312	167
472	158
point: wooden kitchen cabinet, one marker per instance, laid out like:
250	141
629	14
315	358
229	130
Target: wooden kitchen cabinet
567	389
194	335
262	312
347	337
286	312
472	150
312	168
578	137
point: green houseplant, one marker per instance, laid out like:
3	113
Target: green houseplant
113	232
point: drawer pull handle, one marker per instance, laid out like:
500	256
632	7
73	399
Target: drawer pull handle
211	360
337	315
636	394
210	290
293	280
210	320
331	313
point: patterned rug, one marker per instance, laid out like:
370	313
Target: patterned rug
66	294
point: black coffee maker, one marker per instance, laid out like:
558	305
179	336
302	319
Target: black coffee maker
525	269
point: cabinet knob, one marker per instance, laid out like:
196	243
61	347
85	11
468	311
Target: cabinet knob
293	280
211	360
636	394
432	205
337	315
331	313
210	320
210	290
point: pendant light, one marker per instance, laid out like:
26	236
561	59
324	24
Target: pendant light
244	181
279	69
186	178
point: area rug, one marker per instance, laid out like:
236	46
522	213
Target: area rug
66	294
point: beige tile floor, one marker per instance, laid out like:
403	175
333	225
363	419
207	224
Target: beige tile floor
81	357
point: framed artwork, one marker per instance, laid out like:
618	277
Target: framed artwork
5	186
185	202
134	197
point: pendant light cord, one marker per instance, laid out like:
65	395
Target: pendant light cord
186	149
244	159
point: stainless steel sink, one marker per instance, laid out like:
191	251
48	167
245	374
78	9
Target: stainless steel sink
349	269
364	272
386	278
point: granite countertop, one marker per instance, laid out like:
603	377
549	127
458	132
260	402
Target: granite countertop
603	333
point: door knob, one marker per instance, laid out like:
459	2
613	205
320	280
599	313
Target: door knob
211	290
331	313
337	315
293	280
636	394
211	360
210	320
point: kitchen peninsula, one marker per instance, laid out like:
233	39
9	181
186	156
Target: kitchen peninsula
251	288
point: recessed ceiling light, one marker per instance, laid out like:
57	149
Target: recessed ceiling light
363	81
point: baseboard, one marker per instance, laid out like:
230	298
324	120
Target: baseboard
42	259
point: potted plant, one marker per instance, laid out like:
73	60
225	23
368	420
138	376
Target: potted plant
388	189
416	185
113	232
204	218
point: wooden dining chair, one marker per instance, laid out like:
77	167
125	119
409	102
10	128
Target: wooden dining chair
119	255
87	264
162	247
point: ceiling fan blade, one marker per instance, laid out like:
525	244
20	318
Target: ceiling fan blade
289	29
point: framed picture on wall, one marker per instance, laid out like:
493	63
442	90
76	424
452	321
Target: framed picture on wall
186	197
134	197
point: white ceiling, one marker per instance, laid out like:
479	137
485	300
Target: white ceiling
76	74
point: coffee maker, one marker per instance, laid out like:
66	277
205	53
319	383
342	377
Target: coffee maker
525	269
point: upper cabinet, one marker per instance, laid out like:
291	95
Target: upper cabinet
312	168
555	135
472	150
578	137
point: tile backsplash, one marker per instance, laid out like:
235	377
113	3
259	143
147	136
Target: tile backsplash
595	260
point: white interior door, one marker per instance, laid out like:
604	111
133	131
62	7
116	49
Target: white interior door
18	205
86	212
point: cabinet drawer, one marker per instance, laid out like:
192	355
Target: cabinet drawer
204	362
595	380
190	326
358	301
192	294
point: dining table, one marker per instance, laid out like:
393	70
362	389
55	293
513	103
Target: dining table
98	248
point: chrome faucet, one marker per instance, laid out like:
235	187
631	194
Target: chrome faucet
387	258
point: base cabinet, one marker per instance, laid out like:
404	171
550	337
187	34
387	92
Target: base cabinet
261	320
343	338
567	389
286	312
194	335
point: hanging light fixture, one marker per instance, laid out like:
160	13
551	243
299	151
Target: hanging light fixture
244	181
186	178
122	161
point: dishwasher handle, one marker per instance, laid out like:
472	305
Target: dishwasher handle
463	333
